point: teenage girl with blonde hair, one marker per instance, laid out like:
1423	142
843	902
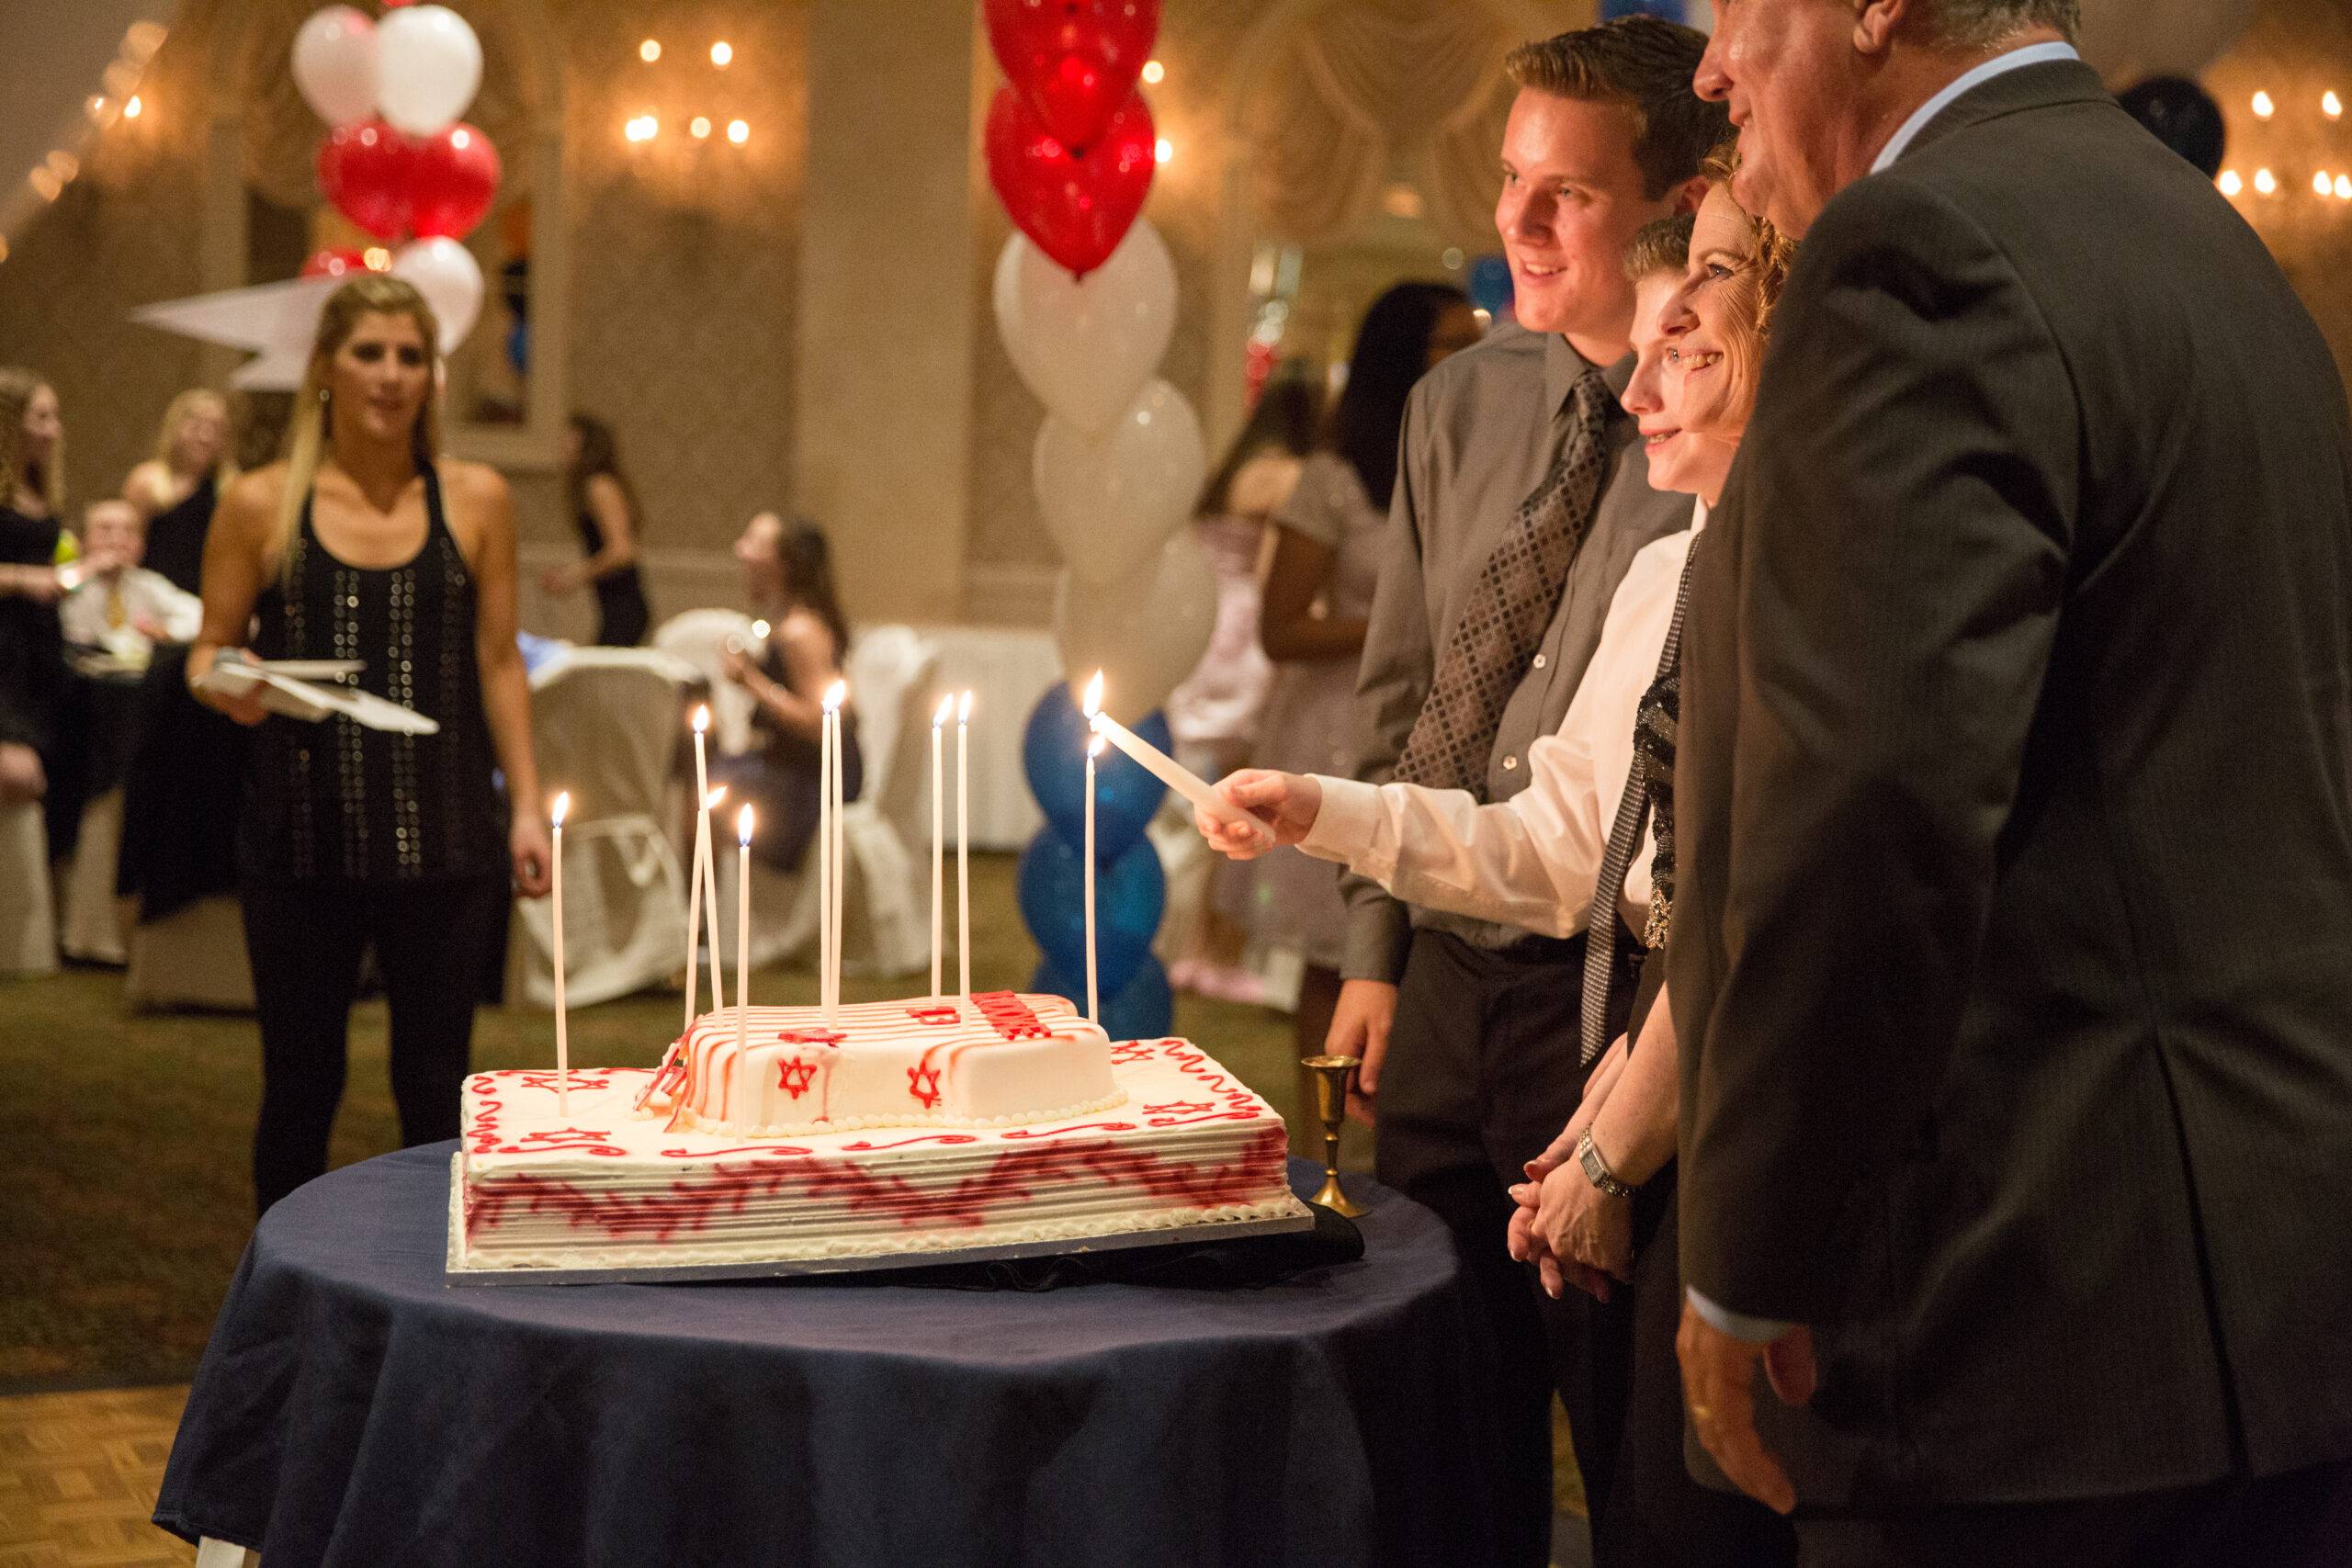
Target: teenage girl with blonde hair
176	489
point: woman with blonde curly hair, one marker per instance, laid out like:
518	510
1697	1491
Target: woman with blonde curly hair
176	489
32	503
366	544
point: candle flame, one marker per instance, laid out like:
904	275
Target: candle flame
743	824
1094	694
964	709
702	718
710	802
946	707
836	695
1096	746
561	809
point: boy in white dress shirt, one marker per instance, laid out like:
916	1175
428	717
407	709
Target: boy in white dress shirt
118	606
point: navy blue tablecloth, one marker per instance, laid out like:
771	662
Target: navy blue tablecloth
354	1408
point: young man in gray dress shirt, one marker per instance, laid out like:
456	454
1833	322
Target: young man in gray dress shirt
1519	503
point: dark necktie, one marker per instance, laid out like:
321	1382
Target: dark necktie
1625	838
1486	654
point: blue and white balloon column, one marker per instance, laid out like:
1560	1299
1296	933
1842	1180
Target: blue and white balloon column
1129	890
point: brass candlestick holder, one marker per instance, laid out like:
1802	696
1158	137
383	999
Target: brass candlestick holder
1332	1077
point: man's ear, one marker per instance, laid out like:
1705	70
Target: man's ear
1877	21
1692	195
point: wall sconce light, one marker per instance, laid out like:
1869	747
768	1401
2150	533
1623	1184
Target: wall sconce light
2263	107
721	53
644	128
2321	185
649	51
700	127
1153	72
2344	187
131	109
2265	182
738	132
2330	105
1163	150
2229	183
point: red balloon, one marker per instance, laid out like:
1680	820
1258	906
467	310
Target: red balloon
456	177
368	171
1076	202
335	264
1074	63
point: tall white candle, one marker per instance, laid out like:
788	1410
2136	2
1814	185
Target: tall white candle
938	840
742	927
964	844
694	915
563	1040
836	697
1094	1001
709	852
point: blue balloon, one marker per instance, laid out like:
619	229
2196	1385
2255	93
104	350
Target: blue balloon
1053	753
1490	285
1145	1011
1129	895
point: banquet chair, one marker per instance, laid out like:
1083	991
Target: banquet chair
95	919
27	914
886	928
604	723
699	638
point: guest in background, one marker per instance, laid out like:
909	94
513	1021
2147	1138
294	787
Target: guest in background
1214	716
119	605
788	578
605	505
366	544
32	500
1329	537
177	489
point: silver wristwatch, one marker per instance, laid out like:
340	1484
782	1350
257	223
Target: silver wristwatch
1596	1170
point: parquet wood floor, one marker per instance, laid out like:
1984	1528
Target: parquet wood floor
78	1476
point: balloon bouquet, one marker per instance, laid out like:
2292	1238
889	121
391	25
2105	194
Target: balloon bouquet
397	159
1085	298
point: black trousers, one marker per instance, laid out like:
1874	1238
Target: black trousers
1481	1076
435	942
2302	1519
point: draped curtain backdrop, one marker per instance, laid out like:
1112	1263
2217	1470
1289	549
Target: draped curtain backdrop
1353	95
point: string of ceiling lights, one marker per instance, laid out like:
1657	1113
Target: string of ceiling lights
120	101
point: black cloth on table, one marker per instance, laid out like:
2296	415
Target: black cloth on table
176	539
353	1407
623	615
32	648
182	786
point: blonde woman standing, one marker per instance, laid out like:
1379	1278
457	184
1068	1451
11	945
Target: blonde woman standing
32	500
365	544
177	489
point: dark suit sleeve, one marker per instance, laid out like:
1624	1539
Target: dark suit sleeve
1908	490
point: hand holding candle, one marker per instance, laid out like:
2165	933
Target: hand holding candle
1281	809
561	809
1163	767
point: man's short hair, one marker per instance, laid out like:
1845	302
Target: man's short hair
1663	245
1981	24
1647	65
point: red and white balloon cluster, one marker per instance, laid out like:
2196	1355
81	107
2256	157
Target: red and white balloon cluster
398	160
1085	299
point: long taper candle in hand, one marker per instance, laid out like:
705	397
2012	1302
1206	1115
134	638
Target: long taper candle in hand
1163	767
562	1041
742	927
938	841
964	844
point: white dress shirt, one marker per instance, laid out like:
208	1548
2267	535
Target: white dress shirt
106	611
1531	861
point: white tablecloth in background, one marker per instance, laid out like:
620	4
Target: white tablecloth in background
1008	669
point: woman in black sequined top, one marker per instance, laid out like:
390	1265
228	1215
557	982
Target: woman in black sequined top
364	545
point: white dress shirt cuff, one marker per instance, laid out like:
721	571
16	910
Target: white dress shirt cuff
1739	1325
1346	823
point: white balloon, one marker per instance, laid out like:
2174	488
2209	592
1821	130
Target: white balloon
1110	502
429	66
1146	632
446	273
335	65
1086	347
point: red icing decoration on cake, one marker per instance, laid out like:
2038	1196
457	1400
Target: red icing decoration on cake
1009	1016
944	1014
923	1083
1128	1053
811	1036
862	1147
1076	1127
1012	1179
795	1077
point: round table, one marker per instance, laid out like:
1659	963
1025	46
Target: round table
354	1407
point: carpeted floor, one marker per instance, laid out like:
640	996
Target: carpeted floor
124	1194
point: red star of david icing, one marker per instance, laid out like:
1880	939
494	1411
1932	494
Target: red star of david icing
795	1077
924	1084
1179	1108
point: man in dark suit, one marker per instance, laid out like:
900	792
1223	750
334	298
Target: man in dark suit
2012	955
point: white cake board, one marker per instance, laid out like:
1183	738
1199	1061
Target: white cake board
460	1272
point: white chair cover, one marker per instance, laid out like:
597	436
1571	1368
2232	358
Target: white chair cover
27	915
697	636
606	726
93	916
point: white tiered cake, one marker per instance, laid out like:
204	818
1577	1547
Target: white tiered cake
760	1145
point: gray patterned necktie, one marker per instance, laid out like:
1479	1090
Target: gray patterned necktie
1486	654
1624	838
